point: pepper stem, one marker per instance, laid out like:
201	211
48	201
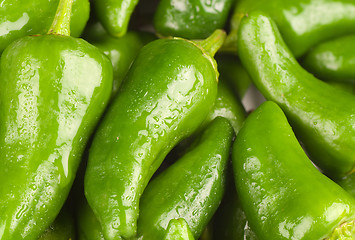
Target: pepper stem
61	22
213	42
345	231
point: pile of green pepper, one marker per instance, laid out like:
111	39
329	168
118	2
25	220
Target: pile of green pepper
122	119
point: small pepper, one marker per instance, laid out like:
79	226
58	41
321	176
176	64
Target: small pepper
302	23
192	188
23	18
167	93
54	90
283	194
333	60
323	117
192	19
114	15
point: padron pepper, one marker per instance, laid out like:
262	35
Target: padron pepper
302	23
323	117
54	90
178	229
167	93
21	18
121	51
333	60
192	19
283	194
114	15
192	188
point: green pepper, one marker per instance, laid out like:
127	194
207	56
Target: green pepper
322	116
192	19
192	188
178	230
302	23
231	69
54	90
121	51
333	60
348	184
230	221
167	93
22	18
62	228
114	15
283	195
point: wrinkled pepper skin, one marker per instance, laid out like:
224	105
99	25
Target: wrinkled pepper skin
192	19
63	227
302	23
114	15
54	90
321	115
167	93
121	51
21	18
283	195
192	188
333	60
178	230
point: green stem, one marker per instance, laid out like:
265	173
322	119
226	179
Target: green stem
61	22
213	42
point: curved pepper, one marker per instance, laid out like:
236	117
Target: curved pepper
121	51
114	15
165	96
23	18
178	230
321	115
283	195
54	90
192	188
333	60
192	19
302	23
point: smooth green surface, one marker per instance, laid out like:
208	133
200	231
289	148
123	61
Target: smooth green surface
192	188
89	227
231	70
323	117
63	227
302	23
165	96
333	60
348	184
114	15
19	18
49	106
178	230
192	19
283	195
121	51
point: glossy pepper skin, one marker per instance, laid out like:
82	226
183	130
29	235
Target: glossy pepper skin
165	96
54	89
192	19
178	230
28	17
121	51
322	116
283	195
333	60
192	188
114	15
302	23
